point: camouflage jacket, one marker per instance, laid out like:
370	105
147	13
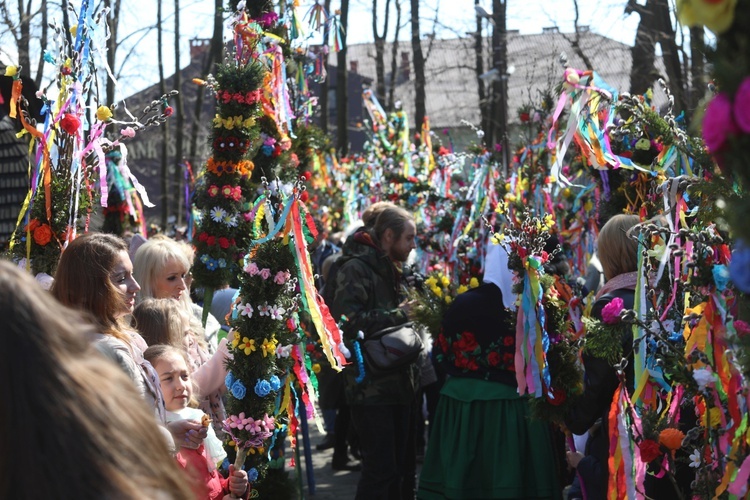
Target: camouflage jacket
367	296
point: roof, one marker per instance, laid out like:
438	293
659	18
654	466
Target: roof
451	84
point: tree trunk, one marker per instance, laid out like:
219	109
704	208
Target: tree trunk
697	67
324	85
670	54
43	44
394	60
113	21
576	43
215	53
479	62
165	129
342	90
24	38
498	133
380	49
643	72
419	77
179	117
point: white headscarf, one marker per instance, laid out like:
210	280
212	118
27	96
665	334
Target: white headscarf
496	271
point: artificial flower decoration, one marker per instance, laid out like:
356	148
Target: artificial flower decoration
42	234
718	122
671	438
611	312
650	450
11	70
70	123
716	15
103	114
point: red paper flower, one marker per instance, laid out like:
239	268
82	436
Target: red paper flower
210	241
493	358
213	190
556	397
509	341
304	196
42	234
203	236
70	123
650	450
223	242
168	111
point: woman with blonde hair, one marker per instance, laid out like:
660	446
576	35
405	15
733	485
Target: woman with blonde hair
161	266
68	404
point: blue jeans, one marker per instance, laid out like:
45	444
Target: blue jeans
383	431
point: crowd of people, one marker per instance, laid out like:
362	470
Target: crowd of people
115	379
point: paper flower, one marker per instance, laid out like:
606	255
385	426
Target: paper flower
265	273
277	313
671	438
281	277
718	123
650	450
213	190
721	276
262	388
218	214
70	123
742	105
11	70
611	312
741	327
238	390
252	474
246	310
695	459
268	347
275	383
703	377
128	132
252	268
42	235
716	15
247	345
103	114
264	310
229	380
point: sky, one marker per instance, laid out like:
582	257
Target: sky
445	18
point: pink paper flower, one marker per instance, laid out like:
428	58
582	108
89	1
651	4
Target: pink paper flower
742	106
265	273
252	269
281	277
128	132
718	123
611	312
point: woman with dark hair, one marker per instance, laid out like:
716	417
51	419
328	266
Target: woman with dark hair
95	276
483	443
73	424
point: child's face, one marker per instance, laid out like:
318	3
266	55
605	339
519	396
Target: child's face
175	381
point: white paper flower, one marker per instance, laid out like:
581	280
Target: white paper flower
218	214
246	310
284	351
230	220
703	377
695	459
264	310
277	312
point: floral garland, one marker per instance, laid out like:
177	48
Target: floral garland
225	191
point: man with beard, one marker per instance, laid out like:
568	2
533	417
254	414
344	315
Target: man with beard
367	300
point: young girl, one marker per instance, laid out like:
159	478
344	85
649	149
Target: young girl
163	321
174	377
161	267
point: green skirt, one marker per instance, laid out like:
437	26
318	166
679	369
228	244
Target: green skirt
484	445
